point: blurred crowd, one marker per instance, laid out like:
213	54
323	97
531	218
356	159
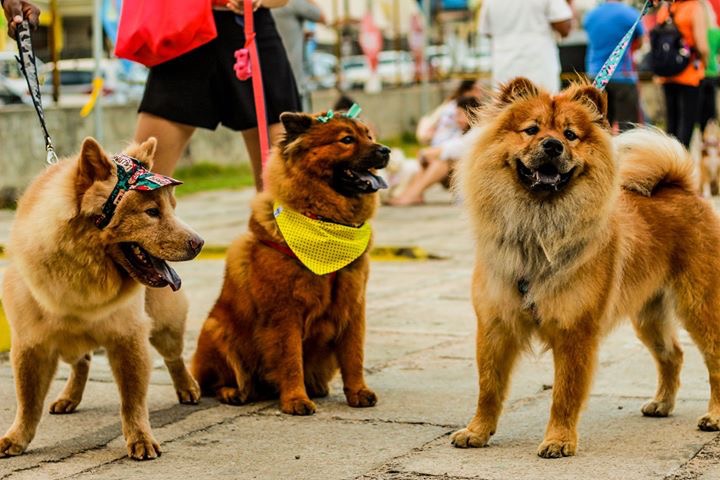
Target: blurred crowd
676	42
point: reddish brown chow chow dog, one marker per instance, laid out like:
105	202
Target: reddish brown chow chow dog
278	328
574	233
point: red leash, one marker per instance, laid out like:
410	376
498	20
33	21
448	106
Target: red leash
245	70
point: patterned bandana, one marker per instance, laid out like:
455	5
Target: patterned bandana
131	176
323	247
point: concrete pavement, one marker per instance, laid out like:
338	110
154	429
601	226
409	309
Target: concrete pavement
419	360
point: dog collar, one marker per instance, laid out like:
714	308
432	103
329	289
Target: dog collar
322	246
132	175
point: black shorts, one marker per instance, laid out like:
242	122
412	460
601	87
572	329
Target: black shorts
200	88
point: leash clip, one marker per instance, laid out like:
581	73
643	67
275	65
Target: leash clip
51	158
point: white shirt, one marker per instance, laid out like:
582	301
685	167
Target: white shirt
523	43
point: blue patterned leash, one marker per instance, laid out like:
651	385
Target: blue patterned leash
606	72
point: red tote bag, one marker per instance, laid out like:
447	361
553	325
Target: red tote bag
155	31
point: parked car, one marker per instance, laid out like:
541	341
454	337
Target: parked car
396	67
439	60
322	70
355	71
13	87
76	80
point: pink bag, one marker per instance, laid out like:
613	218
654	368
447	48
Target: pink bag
155	31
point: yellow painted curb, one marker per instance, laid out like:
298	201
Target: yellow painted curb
4	331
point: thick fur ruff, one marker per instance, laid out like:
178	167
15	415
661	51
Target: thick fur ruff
625	236
277	328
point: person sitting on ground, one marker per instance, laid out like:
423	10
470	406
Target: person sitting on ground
440	125
437	161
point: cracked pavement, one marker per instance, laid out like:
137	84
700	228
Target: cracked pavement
419	360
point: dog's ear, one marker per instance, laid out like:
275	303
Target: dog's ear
94	165
295	124
595	99
516	89
147	150
144	152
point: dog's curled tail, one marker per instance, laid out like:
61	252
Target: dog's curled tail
650	159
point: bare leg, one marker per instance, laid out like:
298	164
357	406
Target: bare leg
655	329
252	143
33	368
172	139
71	395
435	172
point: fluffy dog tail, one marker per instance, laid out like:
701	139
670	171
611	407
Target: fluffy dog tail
649	160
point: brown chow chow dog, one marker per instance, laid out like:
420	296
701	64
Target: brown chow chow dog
72	287
277	327
574	233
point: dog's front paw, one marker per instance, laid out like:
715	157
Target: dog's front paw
63	405
189	394
232	395
657	409
361	398
466	438
143	447
297	406
11	448
557	448
709	423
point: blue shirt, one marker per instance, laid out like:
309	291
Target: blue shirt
606	25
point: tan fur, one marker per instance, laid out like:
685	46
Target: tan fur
277	329
627	236
66	293
710	160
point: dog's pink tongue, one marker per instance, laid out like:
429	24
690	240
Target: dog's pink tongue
167	273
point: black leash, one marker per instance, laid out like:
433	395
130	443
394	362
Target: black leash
26	59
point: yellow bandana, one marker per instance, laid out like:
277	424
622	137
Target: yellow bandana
323	247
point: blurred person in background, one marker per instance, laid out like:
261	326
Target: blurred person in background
606	25
708	85
200	89
290	22
682	91
523	39
441	125
437	161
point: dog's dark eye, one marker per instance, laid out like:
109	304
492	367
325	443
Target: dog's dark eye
153	212
570	135
348	140
532	130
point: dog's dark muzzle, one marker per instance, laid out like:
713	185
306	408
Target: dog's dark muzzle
546	176
360	178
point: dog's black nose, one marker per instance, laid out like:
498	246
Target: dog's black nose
553	148
196	243
383	151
